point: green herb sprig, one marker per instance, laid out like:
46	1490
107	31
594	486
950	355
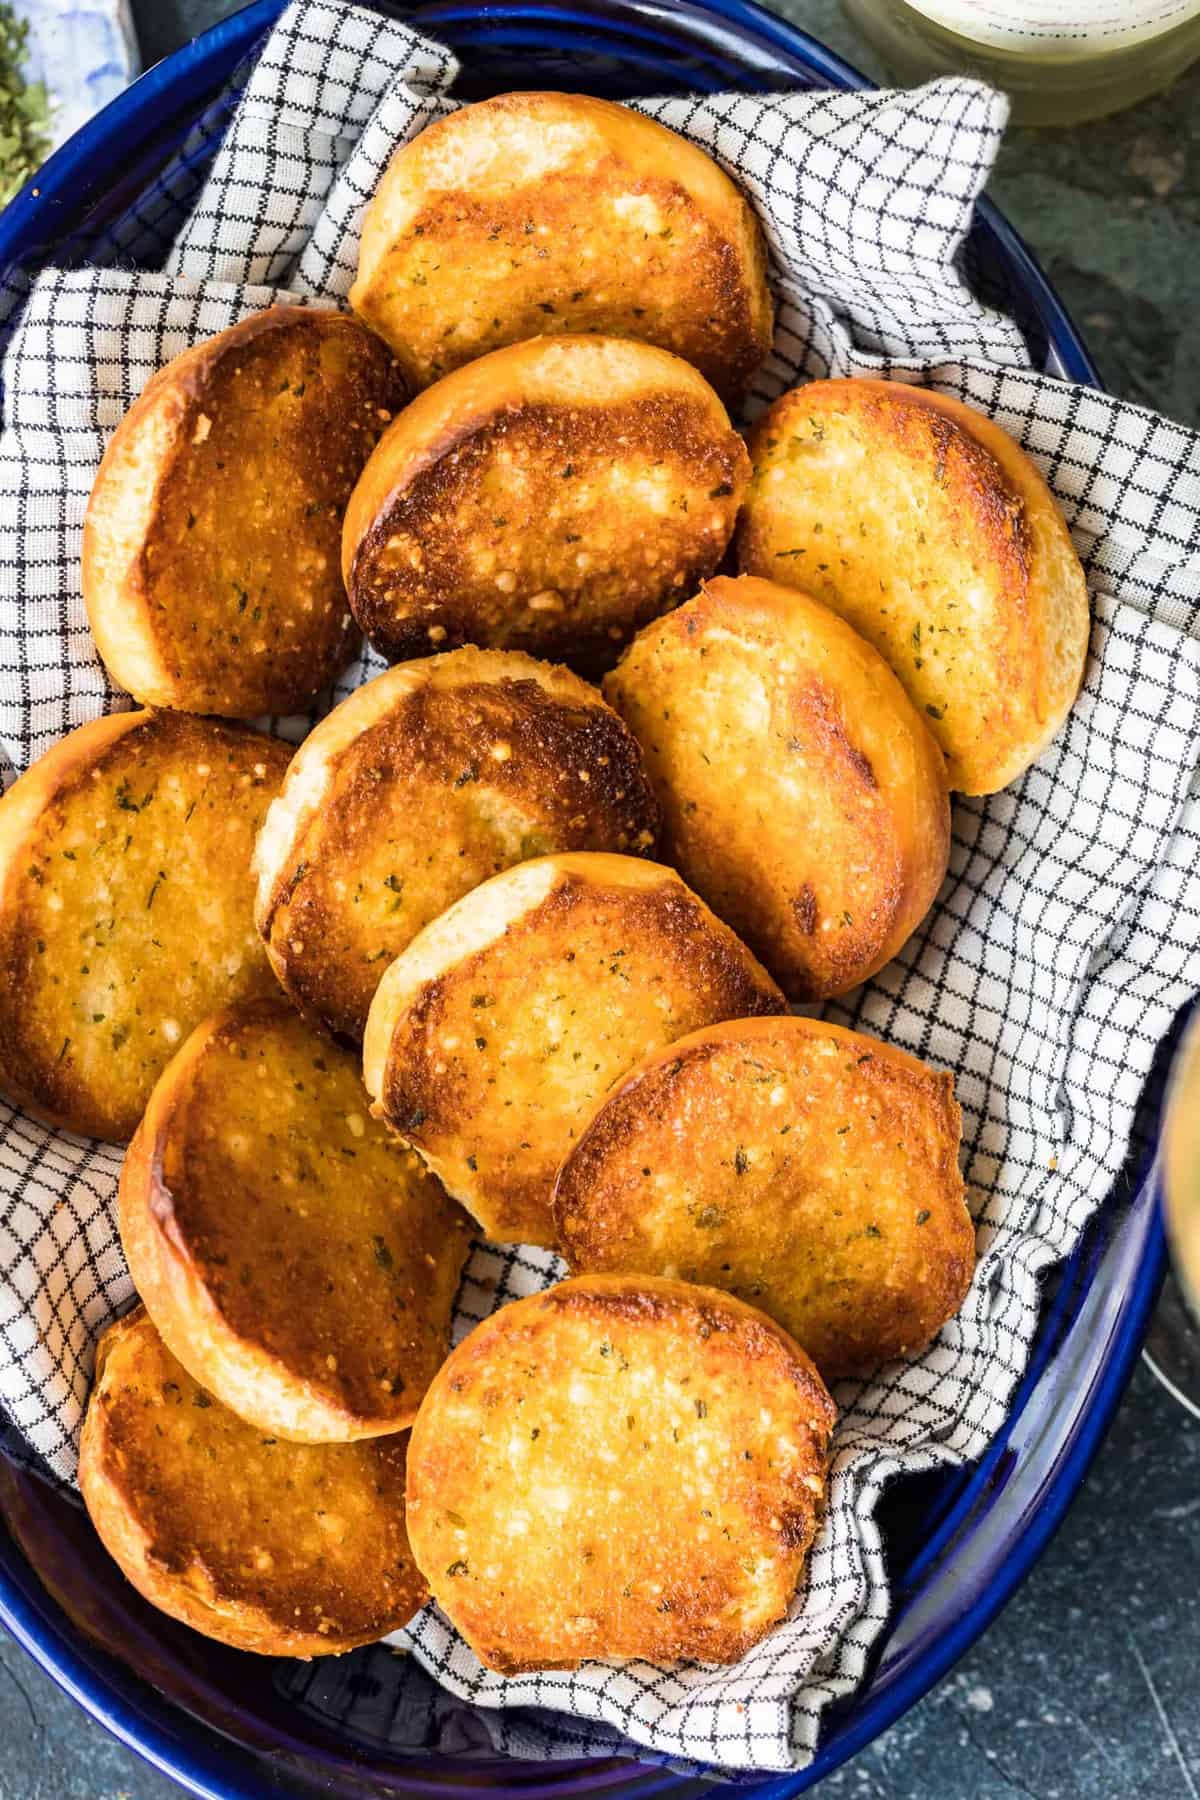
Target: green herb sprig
24	109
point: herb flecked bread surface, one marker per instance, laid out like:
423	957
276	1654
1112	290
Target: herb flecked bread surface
284	1549
539	212
126	908
810	1170
619	1467
210	548
297	1259
551	497
802	795
493	1036
420	785
930	531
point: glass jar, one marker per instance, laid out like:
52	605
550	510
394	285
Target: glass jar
1173	1349
1059	61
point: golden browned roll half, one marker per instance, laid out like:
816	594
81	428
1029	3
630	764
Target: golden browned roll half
211	543
552	497
535	212
126	908
802	796
297	1259
808	1169
926	527
286	1549
619	1467
494	1035
422	784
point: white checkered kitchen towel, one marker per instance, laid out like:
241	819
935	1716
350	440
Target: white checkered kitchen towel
1064	940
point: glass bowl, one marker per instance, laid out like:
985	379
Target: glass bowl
372	1724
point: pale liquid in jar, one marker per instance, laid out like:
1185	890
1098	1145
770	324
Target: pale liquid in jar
1059	61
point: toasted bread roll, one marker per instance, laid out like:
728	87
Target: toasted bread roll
807	1169
126	908
552	498
296	1258
930	531
802	795
210	545
286	1549
414	790
618	1467
498	1030
556	212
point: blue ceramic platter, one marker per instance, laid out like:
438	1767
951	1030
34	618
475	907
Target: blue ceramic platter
238	1727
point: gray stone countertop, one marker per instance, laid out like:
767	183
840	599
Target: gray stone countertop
1086	1686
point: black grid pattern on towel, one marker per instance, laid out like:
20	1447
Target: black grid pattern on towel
1065	937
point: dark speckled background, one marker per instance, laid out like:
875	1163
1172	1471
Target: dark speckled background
1088	1685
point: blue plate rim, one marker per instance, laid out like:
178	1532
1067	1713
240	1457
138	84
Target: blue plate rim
203	1764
